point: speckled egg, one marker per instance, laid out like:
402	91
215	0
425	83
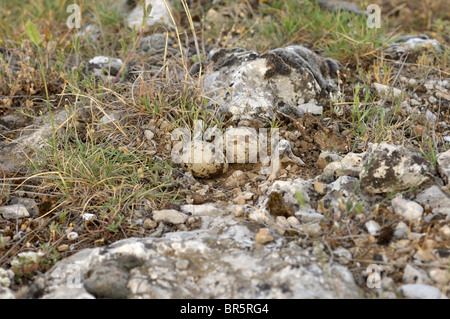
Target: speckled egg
203	160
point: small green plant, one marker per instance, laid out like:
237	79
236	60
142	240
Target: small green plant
300	198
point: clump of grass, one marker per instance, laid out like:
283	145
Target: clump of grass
342	35
100	178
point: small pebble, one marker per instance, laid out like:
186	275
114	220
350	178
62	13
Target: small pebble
440	276
320	188
238	211
169	216
373	227
342	255
408	209
182	264
14	211
263	236
150	224
62	248
293	221
421	291
444	232
149	135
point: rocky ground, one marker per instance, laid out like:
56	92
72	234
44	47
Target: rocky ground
99	201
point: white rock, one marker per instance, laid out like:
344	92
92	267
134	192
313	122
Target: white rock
69	293
149	135
14	211
282	221
443	164
350	165
373	227
309	216
444	232
414	275
6	293
401	230
171	216
310	108
158	15
390	93
313	229
109	118
430	116
246	83
100	65
408	209
236	179
264	237
389	168
421	291
440	276
293	221
88	216
342	255
201	210
436	199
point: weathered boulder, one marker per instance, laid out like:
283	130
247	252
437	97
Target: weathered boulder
222	259
247	83
388	168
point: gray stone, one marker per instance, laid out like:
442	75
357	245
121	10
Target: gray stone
373	227
104	67
169	216
14	211
302	109
342	255
401	230
69	293
158	14
389	168
6	293
435	197
421	291
30	205
246	83
156	41
408	209
443	164
289	189
202	210
15	155
414	275
387	92
350	165
223	262
107	281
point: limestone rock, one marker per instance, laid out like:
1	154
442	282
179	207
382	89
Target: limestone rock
158	14
421	291
436	198
219	260
443	164
104	67
389	168
169	216
14	211
245	83
408	209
